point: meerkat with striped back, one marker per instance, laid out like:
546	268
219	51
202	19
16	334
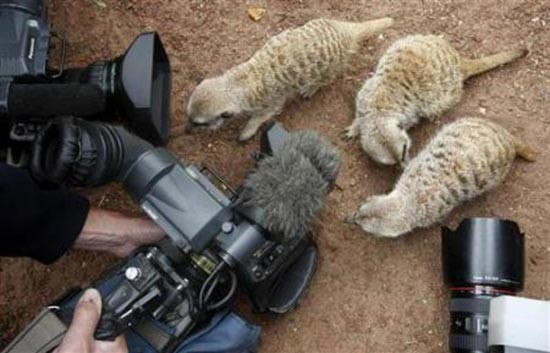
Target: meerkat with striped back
465	159
296	62
419	76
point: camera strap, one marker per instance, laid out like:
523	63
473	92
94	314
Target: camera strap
42	335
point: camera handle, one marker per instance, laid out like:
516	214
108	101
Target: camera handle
46	100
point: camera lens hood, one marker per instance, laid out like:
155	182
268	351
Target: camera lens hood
143	87
485	252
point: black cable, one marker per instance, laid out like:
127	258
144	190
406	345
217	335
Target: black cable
212	287
206	283
228	296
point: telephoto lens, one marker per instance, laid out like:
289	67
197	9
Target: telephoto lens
482	259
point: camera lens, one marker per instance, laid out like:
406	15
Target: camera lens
482	259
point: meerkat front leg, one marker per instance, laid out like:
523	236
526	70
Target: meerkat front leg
351	131
253	125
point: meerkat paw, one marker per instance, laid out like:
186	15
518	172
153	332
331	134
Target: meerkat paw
247	134
351	219
384	236
349	133
381	227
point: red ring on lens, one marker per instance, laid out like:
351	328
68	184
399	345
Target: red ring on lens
483	290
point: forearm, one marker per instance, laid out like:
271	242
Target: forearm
115	233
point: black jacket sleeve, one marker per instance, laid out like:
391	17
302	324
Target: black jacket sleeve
37	223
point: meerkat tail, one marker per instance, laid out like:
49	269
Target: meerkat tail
525	151
362	30
472	67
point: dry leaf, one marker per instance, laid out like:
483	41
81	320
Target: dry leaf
100	3
256	13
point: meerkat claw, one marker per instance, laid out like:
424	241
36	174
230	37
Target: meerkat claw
351	218
348	134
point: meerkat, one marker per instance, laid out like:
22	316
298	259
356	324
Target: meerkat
465	159
296	62
419	76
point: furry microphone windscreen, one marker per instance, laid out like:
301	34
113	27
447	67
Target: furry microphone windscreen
291	185
322	155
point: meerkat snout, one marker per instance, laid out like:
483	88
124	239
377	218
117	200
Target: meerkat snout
210	105
387	141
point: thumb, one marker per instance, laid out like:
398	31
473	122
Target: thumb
86	316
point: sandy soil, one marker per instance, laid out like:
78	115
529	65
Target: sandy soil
369	295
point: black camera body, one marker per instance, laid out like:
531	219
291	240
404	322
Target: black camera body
135	85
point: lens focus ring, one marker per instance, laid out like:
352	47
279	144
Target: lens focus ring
468	343
470	305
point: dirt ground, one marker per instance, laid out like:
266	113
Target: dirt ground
369	295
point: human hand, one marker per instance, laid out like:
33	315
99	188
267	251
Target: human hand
80	336
116	233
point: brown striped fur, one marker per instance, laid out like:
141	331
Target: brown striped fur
419	76
464	160
296	62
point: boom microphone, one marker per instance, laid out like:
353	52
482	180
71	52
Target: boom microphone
291	185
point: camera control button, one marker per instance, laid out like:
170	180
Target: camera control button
227	227
257	271
132	273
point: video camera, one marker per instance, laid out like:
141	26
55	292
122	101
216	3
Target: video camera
135	85
214	237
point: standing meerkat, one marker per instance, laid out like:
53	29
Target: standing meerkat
295	62
419	76
465	159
